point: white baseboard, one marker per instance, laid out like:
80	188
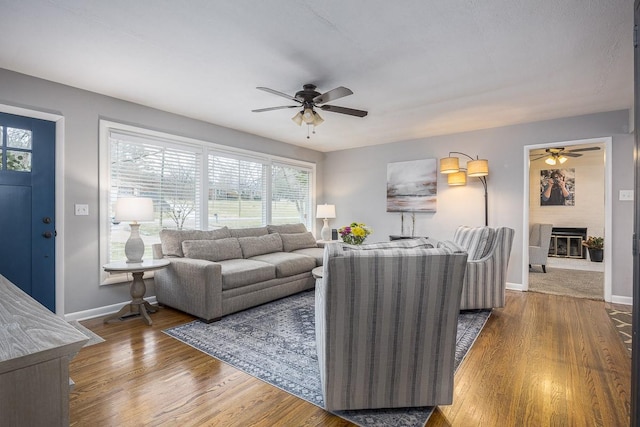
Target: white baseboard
101	311
515	287
617	299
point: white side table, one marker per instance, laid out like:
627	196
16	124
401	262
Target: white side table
137	287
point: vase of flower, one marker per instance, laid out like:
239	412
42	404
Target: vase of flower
355	233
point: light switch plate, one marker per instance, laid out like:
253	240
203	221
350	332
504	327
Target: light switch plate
82	209
626	195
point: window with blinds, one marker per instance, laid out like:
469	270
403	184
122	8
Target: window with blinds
290	196
195	185
168	175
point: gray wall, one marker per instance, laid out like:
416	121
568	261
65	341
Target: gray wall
355	181
82	111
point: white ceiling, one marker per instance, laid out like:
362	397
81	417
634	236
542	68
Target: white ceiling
420	67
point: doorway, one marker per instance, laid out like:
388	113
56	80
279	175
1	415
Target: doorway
578	158
27	194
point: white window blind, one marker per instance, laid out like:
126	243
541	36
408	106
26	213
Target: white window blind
195	185
168	175
290	200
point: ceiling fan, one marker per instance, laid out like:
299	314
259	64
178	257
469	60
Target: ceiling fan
308	99
559	155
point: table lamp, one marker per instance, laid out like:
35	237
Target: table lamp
134	209
325	212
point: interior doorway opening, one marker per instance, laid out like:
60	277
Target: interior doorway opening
586	169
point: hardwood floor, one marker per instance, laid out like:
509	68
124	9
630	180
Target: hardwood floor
543	360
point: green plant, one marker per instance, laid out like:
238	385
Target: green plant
594	242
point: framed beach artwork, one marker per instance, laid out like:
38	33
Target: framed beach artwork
412	186
558	187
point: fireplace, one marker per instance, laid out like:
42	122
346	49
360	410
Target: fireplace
566	242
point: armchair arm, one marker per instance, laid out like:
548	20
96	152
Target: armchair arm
191	285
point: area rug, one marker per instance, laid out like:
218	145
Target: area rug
93	337
573	283
622	321
275	342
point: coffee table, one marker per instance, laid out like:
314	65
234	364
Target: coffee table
137	288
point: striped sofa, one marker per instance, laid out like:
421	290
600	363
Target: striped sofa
489	250
386	318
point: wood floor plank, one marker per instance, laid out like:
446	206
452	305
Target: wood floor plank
541	360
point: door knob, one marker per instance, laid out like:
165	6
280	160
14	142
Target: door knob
46	220
47	234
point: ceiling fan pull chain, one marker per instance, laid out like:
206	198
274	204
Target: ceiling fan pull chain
308	126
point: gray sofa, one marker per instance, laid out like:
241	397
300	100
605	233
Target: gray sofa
217	272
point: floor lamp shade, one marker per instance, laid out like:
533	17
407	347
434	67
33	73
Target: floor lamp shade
449	165
134	209
477	168
325	212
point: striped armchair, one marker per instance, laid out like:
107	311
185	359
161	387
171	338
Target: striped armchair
489	250
386	325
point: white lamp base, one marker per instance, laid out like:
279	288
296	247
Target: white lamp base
325	233
134	248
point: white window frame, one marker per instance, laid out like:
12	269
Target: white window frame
106	127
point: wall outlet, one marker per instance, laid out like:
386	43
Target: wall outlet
82	209
626	195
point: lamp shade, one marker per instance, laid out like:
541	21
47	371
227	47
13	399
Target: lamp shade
457	178
477	168
449	165
326	211
562	159
551	161
297	119
134	209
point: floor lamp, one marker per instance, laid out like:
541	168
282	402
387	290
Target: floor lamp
476	168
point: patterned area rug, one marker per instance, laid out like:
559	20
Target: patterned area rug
275	342
622	321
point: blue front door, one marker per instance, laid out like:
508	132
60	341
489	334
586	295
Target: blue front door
27	206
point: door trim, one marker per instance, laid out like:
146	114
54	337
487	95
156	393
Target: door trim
608	211
59	174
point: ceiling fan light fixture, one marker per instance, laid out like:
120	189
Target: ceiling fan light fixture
551	161
562	159
317	120
308	116
297	119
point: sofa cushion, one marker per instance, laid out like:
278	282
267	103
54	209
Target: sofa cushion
292	242
450	247
288	264
171	240
476	241
212	250
252	246
246	232
316	253
242	272
287	228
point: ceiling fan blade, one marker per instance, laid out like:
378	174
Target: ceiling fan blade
570	154
343	110
583	149
540	157
260	110
275	92
332	95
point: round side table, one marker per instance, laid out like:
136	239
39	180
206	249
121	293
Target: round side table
137	287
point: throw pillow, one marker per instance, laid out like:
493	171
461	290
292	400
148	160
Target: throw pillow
287	228
259	245
172	239
212	250
292	242
395	244
246	232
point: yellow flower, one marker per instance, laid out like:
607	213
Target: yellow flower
358	231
